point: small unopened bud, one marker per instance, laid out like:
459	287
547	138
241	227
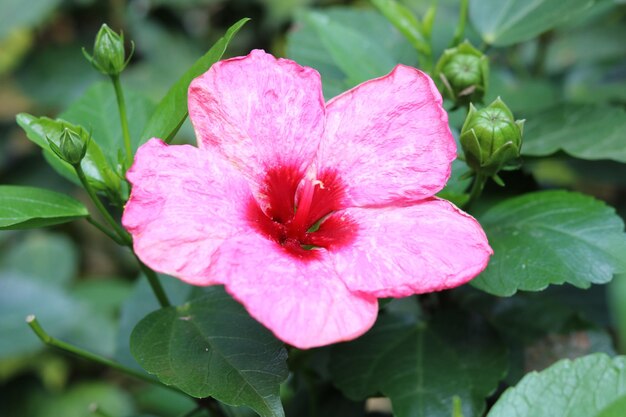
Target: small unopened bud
491	139
109	55
71	147
463	72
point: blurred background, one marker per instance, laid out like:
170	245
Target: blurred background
84	288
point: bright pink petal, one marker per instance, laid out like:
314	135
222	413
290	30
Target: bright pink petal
184	204
302	300
415	249
389	139
259	112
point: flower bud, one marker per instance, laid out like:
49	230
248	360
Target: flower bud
108	52
491	139
72	147
463	72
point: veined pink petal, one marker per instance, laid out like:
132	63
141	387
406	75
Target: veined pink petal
259	112
389	139
399	251
302	301
184	203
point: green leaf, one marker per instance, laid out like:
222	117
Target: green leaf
579	388
95	165
212	347
551	237
405	21
507	22
421	367
139	304
52	257
583	131
615	409
347	46
97	111
171	112
29	207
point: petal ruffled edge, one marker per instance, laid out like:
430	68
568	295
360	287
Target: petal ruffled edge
184	203
389	139
303	302
259	112
399	251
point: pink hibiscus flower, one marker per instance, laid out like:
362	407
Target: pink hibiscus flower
306	211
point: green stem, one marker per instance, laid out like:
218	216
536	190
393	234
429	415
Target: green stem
460	28
123	234
477	189
76	351
104	230
153	279
121	105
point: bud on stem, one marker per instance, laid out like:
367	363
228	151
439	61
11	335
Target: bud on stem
491	139
462	74
109	55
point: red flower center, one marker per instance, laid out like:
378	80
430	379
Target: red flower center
298	212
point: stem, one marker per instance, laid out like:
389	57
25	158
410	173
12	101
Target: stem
121	105
477	189
76	351
104	230
541	54
153	279
460	28
123	235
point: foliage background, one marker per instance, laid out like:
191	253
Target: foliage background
84	289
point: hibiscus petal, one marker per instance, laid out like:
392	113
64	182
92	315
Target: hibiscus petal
301	300
259	112
415	249
389	139
184	203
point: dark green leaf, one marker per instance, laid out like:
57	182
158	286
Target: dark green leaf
583	131
139	304
172	110
51	257
507	22
95	165
347	46
551	237
97	112
580	388
421	367
29	207
212	347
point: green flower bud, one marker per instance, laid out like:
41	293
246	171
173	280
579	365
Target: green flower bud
71	147
463	73
108	52
491	139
